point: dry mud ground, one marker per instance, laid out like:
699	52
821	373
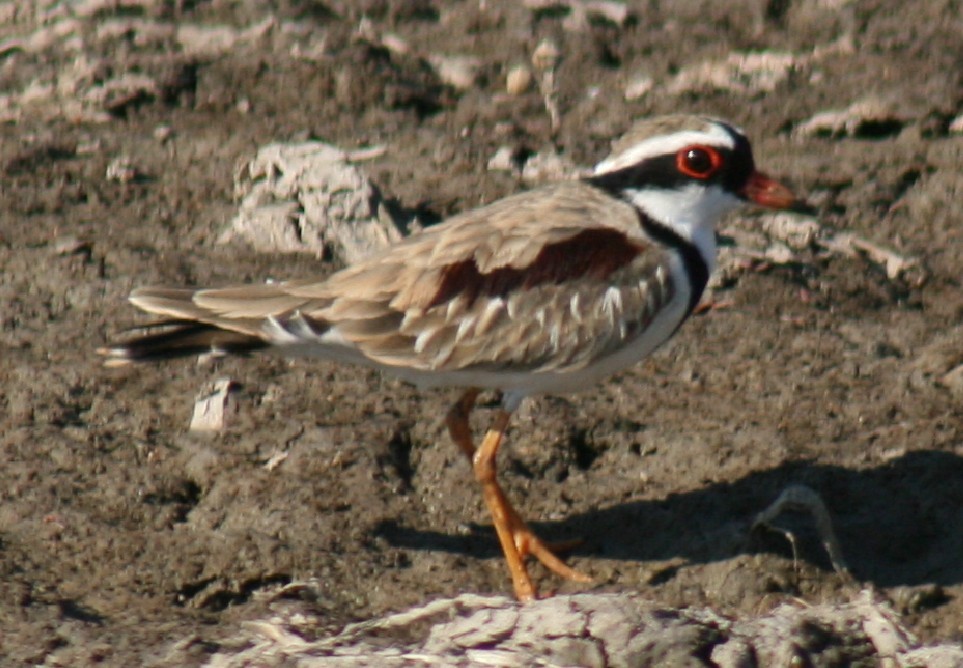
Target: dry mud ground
122	534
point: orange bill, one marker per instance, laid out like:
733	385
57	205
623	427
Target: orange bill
766	191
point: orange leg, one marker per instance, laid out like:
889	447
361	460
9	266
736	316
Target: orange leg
516	538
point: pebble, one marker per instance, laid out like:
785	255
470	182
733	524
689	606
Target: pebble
460	72
953	381
518	80
68	245
546	56
503	160
211	410
163	132
122	170
637	88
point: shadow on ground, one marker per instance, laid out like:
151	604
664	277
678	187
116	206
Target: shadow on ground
894	523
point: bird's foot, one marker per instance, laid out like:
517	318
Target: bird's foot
527	543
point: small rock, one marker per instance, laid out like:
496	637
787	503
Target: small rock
637	88
518	80
953	381
212	410
547	166
546	56
779	253
395	43
162	133
460	72
122	170
68	245
503	160
797	233
276	459
870	117
740	72
206	41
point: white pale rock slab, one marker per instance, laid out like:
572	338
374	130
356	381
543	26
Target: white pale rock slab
309	198
215	406
593	630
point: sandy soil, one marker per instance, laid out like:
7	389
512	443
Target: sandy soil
126	540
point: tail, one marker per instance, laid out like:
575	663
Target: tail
226	321
170	339
184	330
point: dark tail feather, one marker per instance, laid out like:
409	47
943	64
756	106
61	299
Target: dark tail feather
178	338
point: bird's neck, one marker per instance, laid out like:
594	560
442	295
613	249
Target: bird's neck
690	215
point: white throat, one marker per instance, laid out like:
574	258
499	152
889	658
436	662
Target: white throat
691	212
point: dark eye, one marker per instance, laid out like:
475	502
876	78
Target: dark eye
699	162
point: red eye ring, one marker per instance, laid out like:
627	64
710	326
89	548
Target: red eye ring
699	162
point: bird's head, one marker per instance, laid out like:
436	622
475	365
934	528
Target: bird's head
685	172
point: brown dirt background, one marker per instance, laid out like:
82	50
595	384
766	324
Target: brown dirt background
122	535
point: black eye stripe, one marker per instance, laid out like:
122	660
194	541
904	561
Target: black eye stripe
662	172
658	172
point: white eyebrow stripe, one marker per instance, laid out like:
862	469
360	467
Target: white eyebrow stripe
715	135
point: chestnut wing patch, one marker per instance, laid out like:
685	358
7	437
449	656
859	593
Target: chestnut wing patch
593	253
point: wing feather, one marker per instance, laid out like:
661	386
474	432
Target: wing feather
524	283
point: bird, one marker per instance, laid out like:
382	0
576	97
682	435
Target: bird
547	291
